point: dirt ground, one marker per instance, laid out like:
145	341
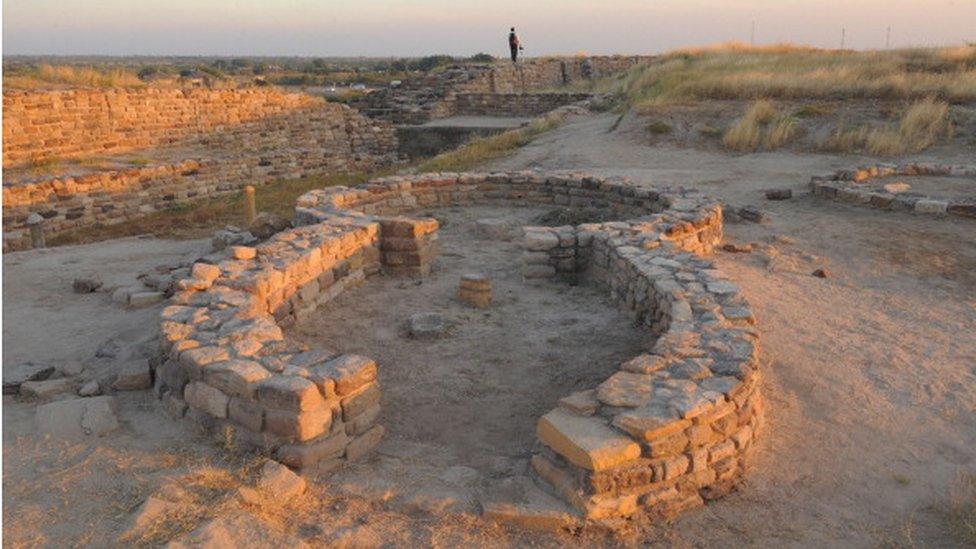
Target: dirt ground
466	404
870	385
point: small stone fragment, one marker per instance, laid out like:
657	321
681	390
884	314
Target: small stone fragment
89	389
243	252
86	284
145	299
15	375
821	273
779	194
751	213
47	388
279	483
737	248
427	325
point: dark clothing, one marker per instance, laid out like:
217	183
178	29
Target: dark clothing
513	44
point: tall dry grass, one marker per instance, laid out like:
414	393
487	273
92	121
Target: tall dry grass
924	124
762	126
784	71
65	75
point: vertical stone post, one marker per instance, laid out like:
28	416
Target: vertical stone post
35	222
250	209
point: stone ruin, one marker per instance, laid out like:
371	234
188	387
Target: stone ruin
849	186
672	428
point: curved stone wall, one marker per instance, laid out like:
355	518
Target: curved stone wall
672	428
848	186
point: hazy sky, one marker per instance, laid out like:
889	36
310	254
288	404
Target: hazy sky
464	27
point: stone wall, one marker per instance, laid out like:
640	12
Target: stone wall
434	95
263	135
38	125
524	105
848	186
673	428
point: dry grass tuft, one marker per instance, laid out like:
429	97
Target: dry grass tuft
961	509
63	75
763	126
785	71
478	151
923	125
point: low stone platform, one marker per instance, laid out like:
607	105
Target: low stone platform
851	186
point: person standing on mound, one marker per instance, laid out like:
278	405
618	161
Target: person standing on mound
514	44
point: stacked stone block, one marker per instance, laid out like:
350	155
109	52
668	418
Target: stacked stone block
225	364
475	290
673	428
261	136
845	186
524	105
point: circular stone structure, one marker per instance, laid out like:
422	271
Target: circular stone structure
853	186
672	428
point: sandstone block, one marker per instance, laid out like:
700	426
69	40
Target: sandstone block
364	444
278	483
135	375
289	393
583	403
303	425
347	372
205	272
304	455
650	422
235	377
200	396
359	402
47	388
246	413
585	441
15	375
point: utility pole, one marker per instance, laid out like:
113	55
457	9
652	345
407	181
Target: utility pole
888	38
843	37
752	34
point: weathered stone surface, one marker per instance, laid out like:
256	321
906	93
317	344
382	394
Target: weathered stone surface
152	511
645	364
266	224
427	325
583	403
289	393
47	388
347	372
207	399
77	417
585	441
16	374
298	425
236	377
279	483
243	252
650	422
495	229
304	455
91	388
625	389
365	443
134	375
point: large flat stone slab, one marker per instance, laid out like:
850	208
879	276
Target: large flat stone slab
77	417
586	441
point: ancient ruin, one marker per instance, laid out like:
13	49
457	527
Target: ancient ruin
877	186
672	428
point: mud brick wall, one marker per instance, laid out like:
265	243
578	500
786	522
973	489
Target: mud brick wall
847	186
300	136
512	104
83	122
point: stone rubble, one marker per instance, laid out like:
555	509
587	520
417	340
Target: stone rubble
846	186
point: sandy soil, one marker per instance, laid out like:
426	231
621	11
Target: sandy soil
470	400
871	383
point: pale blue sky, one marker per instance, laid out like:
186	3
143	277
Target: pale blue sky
464	27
